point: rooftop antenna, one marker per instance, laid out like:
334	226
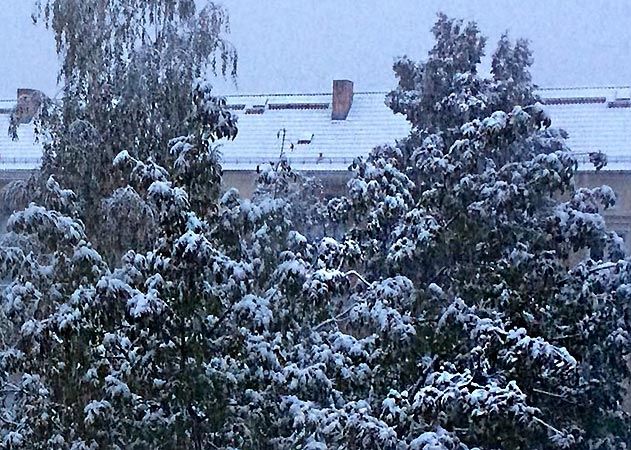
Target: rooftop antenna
281	136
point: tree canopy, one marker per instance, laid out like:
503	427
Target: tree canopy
462	294
134	75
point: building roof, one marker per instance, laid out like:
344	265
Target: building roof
596	118
24	153
312	141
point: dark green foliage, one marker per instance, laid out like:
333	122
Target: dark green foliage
456	307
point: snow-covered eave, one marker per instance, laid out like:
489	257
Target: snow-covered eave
308	164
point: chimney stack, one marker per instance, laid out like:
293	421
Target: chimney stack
28	104
342	99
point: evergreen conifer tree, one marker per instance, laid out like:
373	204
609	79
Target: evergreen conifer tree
451	309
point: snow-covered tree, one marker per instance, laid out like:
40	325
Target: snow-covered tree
438	305
514	345
132	75
128	69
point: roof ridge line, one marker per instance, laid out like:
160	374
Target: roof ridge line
298	94
310	94
277	94
580	88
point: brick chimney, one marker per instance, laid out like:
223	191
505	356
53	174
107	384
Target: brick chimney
28	104
342	99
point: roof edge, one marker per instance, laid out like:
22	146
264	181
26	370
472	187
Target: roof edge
299	94
582	88
307	94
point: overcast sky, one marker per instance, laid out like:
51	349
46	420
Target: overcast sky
301	45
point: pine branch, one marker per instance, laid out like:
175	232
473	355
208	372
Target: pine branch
552	394
547	425
334	319
605	266
360	277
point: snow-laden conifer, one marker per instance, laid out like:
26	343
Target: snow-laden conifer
463	294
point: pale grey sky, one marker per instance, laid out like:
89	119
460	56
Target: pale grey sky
301	45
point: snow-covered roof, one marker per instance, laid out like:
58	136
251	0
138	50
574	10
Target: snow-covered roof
312	141
596	118
21	154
